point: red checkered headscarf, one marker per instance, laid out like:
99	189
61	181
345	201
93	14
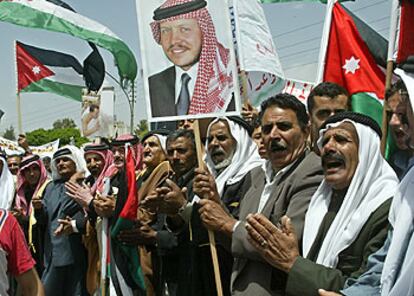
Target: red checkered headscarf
20	201
213	87
109	169
137	149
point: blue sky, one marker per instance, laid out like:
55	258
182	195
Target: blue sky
296	28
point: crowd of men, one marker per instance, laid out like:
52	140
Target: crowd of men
301	202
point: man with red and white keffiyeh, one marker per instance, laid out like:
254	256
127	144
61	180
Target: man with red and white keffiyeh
185	30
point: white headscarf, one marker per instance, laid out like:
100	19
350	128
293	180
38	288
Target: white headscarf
397	275
373	183
163	141
76	156
245	158
6	187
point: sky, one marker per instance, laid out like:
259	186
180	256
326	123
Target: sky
296	28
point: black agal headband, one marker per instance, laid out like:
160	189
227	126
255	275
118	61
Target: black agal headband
29	160
167	12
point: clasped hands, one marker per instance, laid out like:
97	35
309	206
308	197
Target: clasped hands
278	245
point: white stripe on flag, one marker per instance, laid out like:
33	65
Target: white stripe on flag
66	76
69	16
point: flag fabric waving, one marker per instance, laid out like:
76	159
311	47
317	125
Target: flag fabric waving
126	220
256	49
46	15
401	31
349	63
348	59
40	70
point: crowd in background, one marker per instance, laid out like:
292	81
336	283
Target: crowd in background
300	201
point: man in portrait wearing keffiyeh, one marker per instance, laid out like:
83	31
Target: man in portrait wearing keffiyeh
200	81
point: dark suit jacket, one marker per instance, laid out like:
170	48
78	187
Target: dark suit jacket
306	277
290	196
162	94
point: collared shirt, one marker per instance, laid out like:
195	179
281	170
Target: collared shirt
192	72
272	177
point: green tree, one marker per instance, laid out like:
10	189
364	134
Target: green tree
64	123
142	128
10	134
41	136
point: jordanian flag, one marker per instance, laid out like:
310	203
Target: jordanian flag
126	221
43	14
40	70
349	62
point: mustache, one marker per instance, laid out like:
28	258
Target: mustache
217	150
177	46
277	146
332	157
118	158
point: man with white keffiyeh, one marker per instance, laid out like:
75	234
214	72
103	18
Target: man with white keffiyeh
347	216
200	80
390	269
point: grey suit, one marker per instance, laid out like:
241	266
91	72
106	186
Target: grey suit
64	255
290	196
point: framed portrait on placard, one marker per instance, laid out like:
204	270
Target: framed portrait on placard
97	114
189	65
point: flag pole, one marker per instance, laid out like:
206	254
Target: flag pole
390	70
132	106
211	237
324	40
18	104
19	114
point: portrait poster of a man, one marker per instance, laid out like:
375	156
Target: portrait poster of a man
97	114
188	59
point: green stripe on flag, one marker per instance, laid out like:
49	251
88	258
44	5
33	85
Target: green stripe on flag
131	252
370	106
366	104
38	16
73	92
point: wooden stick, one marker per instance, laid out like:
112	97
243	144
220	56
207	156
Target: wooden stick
211	237
19	114
243	80
384	127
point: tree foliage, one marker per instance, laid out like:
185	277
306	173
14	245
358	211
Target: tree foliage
41	136
64	123
10	134
141	128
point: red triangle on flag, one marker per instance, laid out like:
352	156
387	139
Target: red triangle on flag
29	69
348	60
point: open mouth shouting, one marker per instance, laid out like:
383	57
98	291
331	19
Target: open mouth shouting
332	163
277	147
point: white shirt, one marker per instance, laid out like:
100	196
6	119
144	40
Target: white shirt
192	72
271	179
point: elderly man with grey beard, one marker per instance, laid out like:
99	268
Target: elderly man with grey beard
230	155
